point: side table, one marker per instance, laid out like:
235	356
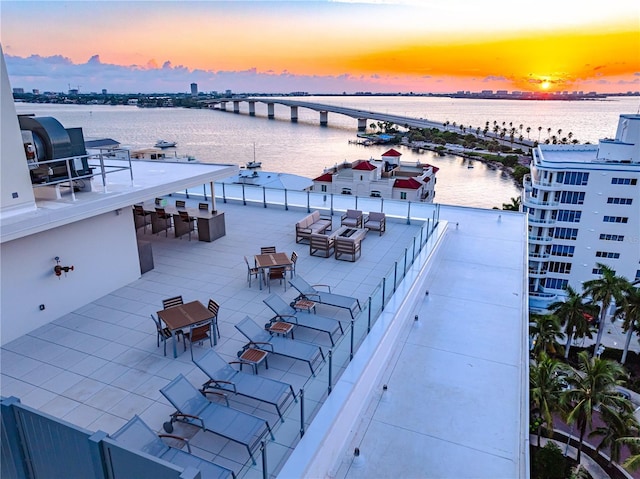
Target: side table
280	327
254	357
304	305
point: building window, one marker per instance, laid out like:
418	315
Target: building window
565	233
376	194
599	271
607	254
624	181
403	195
570	216
556	283
562	250
558	267
615	219
573	178
608	237
637	275
323	188
346	191
619	201
572	197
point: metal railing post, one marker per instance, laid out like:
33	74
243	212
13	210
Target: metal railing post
352	339
331	204
73	194
308	203
369	317
103	173
330	371
381	205
286	202
204	191
244	200
301	396
405	260
384	287
395	275
264	196
409	213
263	450
413	257
224	194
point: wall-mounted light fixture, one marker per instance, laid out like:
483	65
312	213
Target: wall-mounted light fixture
59	269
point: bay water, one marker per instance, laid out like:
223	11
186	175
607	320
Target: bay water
305	148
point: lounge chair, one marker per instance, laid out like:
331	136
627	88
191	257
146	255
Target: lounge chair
285	312
310	292
290	348
193	408
135	434
223	377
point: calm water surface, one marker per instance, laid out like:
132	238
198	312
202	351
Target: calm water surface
305	148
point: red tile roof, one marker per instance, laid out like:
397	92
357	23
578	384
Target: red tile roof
326	177
434	168
392	152
408	183
364	165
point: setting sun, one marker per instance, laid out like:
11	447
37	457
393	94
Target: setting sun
545	85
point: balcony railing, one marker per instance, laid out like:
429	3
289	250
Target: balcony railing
540	239
99	165
541	221
539	255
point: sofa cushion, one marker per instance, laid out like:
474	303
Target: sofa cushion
315	216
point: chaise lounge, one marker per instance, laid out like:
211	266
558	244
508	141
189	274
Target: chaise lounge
290	348
224	378
195	409
135	434
288	314
310	292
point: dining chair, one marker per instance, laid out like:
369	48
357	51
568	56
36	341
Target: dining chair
138	210
174	301
197	334
164	334
214	308
251	271
278	272
267	249
292	267
167	218
190	221
181	204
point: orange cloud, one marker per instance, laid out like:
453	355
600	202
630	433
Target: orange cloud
562	59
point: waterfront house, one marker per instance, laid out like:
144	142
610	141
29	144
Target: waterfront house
387	177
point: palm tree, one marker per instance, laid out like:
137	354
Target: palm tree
629	311
593	386
528	130
546	330
569	135
548	132
573	313
632	462
603	290
546	380
618	424
539	131
514	205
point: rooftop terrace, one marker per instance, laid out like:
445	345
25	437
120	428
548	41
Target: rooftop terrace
456	403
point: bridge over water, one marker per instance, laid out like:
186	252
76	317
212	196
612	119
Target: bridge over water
362	116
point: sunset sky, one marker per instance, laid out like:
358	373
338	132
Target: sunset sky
323	46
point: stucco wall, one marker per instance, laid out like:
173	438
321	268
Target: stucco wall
103	251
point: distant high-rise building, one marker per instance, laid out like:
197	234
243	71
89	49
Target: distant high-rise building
35	91
104	91
18	91
194	89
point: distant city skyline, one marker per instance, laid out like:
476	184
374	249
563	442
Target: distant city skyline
393	46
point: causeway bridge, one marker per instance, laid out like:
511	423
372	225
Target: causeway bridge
362	116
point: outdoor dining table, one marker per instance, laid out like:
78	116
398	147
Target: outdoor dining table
271	260
184	316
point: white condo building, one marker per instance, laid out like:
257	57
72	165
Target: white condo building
583	208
